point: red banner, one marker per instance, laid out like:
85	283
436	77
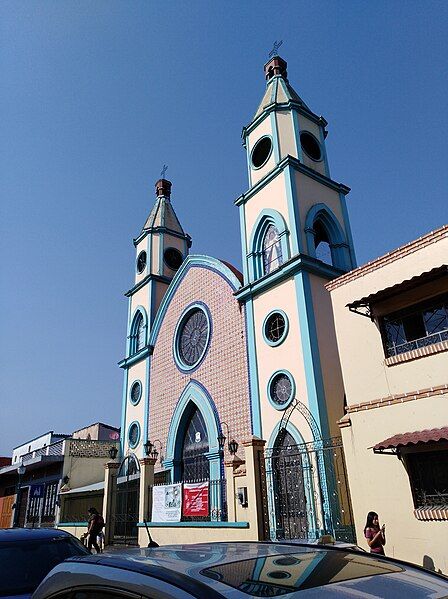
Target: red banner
195	501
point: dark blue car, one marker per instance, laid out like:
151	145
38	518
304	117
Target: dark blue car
28	554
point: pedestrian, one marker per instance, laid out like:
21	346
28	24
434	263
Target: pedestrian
95	526
376	536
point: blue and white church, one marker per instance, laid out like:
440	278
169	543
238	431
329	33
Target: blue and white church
233	379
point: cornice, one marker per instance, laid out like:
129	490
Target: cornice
300	262
141	355
164	230
298	166
142	283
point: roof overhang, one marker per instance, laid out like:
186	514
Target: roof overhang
94	487
363	306
394	444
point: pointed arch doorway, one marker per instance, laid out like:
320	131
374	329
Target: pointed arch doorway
288	486
195	465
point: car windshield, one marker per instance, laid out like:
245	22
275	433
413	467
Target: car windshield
24	564
277	575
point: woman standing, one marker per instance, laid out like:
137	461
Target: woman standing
376	536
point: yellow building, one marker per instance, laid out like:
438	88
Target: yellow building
391	318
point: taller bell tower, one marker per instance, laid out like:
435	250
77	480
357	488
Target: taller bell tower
295	237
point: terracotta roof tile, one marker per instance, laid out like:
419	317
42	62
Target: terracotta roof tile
426	436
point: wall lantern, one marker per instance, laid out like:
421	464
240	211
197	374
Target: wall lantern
148	447
221	441
232	445
113	452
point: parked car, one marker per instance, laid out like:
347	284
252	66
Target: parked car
28	554
234	570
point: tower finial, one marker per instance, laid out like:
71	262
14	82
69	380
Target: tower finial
163	188
276	66
276	46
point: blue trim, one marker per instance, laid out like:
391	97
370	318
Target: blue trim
208	524
292	198
274	128
244	249
124	397
274	404
131	386
266	218
340	250
310	349
296	131
257	168
133	330
254	390
70	524
192	261
323	148
197	394
184	368
285	332
348	229
141	355
291	104
134	445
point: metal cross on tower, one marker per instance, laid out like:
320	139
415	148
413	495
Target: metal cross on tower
163	173
277	45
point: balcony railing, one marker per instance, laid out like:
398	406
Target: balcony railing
395	350
54	449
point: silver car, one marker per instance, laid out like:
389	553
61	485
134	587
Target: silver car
241	569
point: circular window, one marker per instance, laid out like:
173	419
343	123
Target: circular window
173	258
136	392
192	337
281	390
141	262
275	328
310	145
286	561
134	434
261	151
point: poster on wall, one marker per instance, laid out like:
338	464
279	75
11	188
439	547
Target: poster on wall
195	500
166	503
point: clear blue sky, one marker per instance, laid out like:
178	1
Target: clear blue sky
97	95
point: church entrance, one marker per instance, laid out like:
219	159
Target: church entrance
127	499
307	490
195	465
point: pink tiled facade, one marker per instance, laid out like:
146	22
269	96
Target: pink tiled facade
223	372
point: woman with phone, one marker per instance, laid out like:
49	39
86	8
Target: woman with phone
376	536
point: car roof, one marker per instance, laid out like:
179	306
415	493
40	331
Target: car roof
8	535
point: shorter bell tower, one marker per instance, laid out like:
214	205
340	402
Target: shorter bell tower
161	247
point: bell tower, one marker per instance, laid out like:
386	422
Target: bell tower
161	247
296	237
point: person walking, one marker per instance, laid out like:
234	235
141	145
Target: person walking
376	536
95	526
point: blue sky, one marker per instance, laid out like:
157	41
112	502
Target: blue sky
97	95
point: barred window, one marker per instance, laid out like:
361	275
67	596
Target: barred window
428	475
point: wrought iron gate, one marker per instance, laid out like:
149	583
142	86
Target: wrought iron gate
307	490
126	513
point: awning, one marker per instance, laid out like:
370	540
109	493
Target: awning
431	435
87	489
363	305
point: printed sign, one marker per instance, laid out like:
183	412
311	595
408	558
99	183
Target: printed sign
166	503
195	501
36	491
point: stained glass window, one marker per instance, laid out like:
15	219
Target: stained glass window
136	392
193	337
195	465
281	389
275	327
272	250
140	333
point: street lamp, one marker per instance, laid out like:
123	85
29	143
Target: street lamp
148	446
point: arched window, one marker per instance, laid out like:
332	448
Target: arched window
322	243
272	250
195	465
138	333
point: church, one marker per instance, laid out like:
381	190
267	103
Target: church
232	383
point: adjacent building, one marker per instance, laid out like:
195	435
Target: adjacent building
391	319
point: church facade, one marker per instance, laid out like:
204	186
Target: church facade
233	379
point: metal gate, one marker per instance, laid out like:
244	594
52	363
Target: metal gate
307	490
126	513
